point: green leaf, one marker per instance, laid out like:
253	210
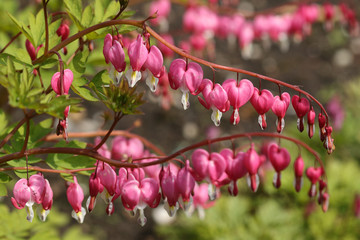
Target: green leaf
4	123
98	11
74	8
87	17
80	89
69	161
112	9
23	28
3	190
78	64
37	27
4	178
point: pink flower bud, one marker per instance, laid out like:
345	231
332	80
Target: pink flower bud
314	175
311	122
95	187
262	101
75	196
299	170
63	31
279	107
30	49
56	82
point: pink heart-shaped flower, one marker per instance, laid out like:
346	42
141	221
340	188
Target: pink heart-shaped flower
208	165
238	93
262	100
281	104
301	105
279	157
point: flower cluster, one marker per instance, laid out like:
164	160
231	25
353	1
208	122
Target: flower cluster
196	184
144	60
204	24
37	190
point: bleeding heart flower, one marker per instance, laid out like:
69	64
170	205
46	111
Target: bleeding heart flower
95	187
139	194
298	170
123	148
280	159
75	196
279	107
185	184
239	93
27	192
186	76
56	83
262	101
252	163
311	122
301	107
215	98
47	202
314	175
154	63
208	166
138	54
170	191
235	168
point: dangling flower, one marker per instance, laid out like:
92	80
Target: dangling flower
298	170
185	184
27	192
280	159
208	166
95	187
137	194
252	163
262	101
238	93
75	196
314	175
216	98
154	66
186	76
235	168
170	191
63	31
56	83
138	54
311	122
114	53
107	178
301	107
123	148
279	107
47	201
